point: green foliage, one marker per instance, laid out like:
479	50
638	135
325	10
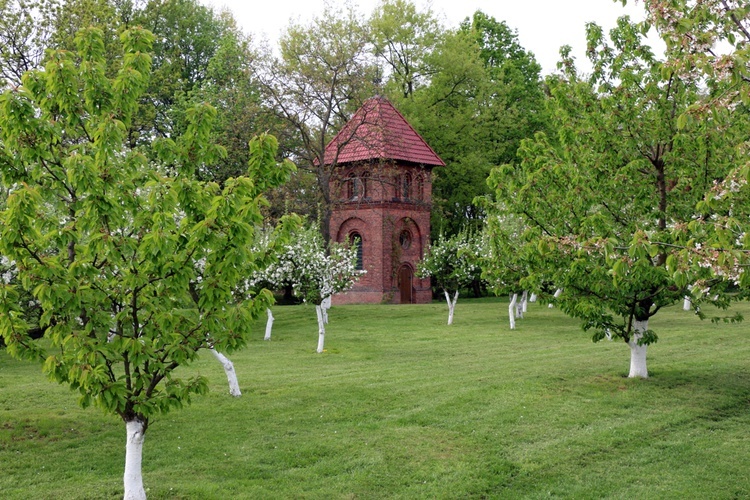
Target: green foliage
483	97
602	200
322	76
134	263
404	39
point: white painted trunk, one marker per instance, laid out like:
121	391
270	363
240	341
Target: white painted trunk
524	302
321	328
558	292
325	305
687	304
512	311
451	305
533	297
234	386
269	324
638	352
133	478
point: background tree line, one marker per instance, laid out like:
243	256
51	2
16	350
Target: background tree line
471	90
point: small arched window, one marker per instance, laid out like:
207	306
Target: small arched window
351	186
356	239
365	180
406	186
420	188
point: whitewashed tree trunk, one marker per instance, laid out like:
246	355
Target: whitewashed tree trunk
512	311
269	324
234	386
524	302
533	297
321	328
558	292
638	352
451	305
687	304
133	478
325	306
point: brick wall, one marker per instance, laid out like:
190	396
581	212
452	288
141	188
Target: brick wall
395	229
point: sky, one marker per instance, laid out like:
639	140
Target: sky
543	26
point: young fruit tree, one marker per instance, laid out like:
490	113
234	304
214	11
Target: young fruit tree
453	264
503	265
314	273
134	263
601	200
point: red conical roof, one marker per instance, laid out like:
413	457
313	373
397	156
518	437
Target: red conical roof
378	131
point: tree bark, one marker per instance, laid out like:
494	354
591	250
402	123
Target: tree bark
321	328
325	306
532	298
687	303
451	305
524	302
234	386
638	352
133	478
269	324
512	311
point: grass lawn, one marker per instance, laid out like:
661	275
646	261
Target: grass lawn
403	406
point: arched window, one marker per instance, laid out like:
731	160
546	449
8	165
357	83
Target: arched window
420	188
351	186
356	238
365	180
406	186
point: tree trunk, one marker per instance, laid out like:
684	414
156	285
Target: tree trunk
512	311
687	303
321	328
532	298
451	305
133	478
638	352
524	302
325	306
269	324
234	386
558	292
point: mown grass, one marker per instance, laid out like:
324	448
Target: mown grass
403	406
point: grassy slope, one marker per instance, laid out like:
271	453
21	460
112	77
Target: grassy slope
402	406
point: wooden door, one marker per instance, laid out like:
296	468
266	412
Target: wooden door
405	284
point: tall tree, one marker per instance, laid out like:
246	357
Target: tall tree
404	39
601	198
134	263
483	98
323	75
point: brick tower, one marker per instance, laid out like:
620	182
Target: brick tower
381	189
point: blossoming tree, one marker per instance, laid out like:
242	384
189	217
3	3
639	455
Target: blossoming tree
315	274
108	238
454	264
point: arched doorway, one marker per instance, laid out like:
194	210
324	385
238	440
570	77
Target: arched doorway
405	278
